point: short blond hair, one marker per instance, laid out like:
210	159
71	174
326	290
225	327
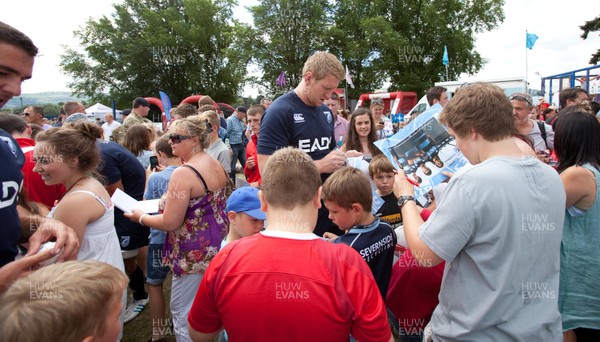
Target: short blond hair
347	186
255	110
61	302
290	179
204	100
70	107
205	108
323	63
194	126
212	117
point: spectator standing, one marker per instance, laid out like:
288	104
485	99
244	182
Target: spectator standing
235	132
578	150
109	126
502	266
340	125
300	119
272	294
538	131
251	169
35	115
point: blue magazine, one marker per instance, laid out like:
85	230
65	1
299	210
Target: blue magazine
423	149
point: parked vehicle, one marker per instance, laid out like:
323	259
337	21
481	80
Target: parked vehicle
509	85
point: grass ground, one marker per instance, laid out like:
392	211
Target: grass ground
140	328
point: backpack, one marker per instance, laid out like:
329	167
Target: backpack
542	128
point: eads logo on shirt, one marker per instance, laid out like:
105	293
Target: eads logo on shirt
298	118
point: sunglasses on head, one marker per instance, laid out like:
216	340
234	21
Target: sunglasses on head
377	101
177	138
520	98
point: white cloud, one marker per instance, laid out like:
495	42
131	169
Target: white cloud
559	47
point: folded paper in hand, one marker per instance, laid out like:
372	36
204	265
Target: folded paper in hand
127	203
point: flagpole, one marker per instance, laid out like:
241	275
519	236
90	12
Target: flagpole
526	63
346	96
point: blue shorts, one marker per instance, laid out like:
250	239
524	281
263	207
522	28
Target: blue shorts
157	271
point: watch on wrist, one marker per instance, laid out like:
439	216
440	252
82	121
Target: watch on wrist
403	199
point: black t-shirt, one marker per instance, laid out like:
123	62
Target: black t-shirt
389	211
118	164
375	243
11	178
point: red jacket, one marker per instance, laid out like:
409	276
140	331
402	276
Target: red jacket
252	175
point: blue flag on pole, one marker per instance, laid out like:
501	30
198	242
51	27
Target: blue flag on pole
530	40
166	102
445	56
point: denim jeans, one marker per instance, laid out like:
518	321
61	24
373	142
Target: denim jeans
239	152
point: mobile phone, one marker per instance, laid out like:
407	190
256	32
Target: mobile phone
153	162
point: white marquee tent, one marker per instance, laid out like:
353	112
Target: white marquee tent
98	110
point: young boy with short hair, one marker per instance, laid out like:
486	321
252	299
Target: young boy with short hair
245	216
347	196
285	282
383	173
72	301
158	182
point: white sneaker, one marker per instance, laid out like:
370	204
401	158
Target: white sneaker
134	308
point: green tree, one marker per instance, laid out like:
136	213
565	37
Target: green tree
182	47
592	26
396	41
286	33
413	34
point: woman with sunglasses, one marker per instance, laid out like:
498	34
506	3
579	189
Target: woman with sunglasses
383	124
192	212
577	145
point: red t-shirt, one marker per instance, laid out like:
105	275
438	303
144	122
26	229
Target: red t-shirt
252	175
277	286
413	291
35	188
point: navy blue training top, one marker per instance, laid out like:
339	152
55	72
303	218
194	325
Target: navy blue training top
11	178
290	122
118	164
375	243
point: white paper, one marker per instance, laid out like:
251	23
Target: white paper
127	203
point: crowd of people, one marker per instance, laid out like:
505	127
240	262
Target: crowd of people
508	250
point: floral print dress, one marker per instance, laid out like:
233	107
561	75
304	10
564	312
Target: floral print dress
189	249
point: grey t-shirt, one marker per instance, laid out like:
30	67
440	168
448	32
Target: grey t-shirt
219	151
499	227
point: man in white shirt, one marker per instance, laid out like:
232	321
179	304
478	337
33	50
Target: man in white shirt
109	126
539	132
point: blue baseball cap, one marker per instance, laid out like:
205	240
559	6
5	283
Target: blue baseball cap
245	200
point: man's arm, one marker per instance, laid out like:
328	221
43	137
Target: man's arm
111	188
411	219
549	137
262	161
197	336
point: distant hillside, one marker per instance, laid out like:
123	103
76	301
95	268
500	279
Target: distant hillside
39	99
